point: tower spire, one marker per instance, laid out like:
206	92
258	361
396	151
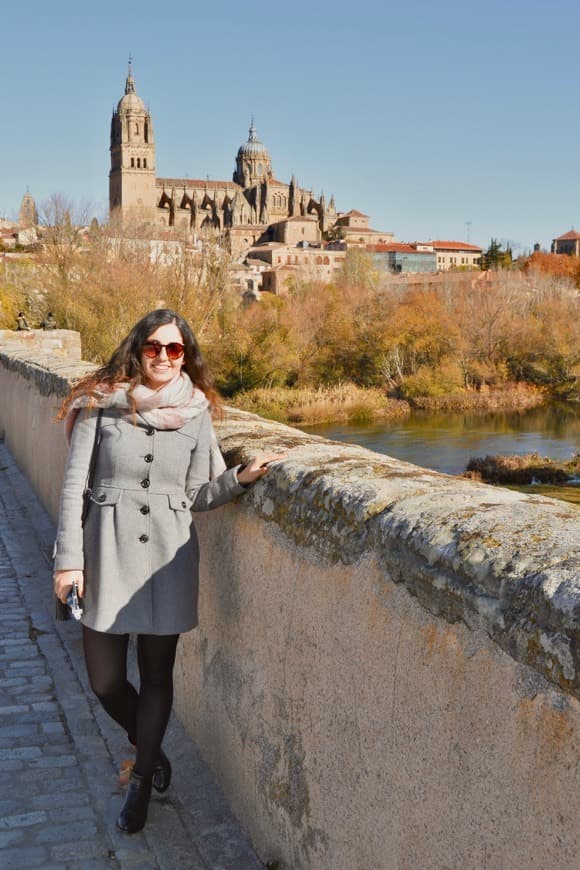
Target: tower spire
130	83
252	131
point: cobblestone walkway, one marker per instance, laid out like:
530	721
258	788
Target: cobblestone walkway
59	753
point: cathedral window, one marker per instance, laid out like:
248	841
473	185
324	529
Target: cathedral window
132	162
146	131
144	163
137	129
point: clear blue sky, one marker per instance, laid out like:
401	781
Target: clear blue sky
423	115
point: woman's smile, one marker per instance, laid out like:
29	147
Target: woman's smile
161	370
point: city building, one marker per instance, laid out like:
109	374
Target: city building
569	244
455	255
398	257
353	229
287	263
254	207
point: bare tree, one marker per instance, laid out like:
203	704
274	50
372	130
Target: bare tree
63	224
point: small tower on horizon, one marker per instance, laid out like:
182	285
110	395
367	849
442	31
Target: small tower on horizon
28	214
132	175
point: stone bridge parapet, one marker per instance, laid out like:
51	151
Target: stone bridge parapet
386	673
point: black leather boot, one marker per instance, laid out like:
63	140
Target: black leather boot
162	773
133	814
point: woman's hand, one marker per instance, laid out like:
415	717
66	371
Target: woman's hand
63	583
257	467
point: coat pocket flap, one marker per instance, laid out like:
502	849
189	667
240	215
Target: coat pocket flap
103	495
178	502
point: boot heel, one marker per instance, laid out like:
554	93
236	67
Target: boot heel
162	773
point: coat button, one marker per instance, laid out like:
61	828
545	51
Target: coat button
102	497
144	509
145	483
149	457
144	539
149	431
183	504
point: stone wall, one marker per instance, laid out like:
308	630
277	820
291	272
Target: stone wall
386	671
34	343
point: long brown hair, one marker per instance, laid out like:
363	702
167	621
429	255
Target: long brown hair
124	365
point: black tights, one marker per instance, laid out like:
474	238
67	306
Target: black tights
144	715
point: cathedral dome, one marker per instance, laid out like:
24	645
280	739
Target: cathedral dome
130	102
253	147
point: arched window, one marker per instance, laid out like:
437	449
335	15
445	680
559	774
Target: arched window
138	163
137	129
132	162
144	163
319	261
146	131
326	261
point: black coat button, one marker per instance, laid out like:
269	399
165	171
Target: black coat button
183	504
144	509
102	497
149	457
145	483
149	431
144	539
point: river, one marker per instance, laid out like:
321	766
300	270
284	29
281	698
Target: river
446	442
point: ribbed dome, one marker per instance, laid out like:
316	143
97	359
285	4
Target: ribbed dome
130	102
253	147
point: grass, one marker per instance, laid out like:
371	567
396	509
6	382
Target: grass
570	494
344	403
511	397
522	470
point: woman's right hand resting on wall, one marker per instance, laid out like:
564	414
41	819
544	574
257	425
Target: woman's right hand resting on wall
257	467
63	583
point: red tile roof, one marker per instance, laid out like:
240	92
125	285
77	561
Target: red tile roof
570	236
353	213
453	246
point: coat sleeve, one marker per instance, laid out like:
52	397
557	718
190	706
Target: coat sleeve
69	537
206	494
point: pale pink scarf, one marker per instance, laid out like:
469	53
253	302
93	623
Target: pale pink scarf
169	407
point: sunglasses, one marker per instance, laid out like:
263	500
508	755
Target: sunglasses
174	349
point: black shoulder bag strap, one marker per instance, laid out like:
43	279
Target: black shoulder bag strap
92	464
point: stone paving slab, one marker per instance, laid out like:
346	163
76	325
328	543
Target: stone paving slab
59	752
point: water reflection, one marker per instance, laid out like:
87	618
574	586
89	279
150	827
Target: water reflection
445	442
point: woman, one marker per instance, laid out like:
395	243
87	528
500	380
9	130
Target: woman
147	436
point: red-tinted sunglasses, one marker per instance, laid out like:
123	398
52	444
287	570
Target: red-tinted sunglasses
174	349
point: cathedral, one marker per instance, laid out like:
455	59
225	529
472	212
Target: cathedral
252	208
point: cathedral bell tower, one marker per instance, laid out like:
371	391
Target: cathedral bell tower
132	175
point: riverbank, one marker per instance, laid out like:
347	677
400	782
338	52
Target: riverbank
523	470
343	403
348	403
570	494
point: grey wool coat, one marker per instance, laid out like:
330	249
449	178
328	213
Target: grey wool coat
138	546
